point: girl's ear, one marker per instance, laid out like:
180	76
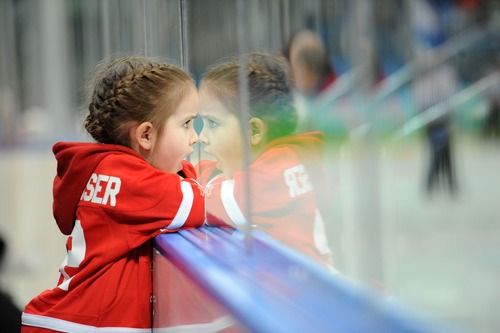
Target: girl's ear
143	136
258	131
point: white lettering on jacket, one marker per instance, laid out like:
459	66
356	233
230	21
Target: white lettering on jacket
297	180
94	190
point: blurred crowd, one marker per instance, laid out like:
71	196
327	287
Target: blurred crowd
327	45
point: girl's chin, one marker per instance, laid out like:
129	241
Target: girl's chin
174	169
227	172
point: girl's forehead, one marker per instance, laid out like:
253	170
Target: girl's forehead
188	106
211	105
206	91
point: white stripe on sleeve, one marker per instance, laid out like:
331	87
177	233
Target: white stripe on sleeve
229	202
320	240
184	208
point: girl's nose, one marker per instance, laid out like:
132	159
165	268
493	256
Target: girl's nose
194	137
202	137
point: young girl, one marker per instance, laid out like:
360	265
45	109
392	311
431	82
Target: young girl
286	169
114	196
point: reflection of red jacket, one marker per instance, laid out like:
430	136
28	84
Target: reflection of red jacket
112	203
285	185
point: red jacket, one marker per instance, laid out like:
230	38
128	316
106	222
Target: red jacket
286	187
112	203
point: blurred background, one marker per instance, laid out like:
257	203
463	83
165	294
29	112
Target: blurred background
409	104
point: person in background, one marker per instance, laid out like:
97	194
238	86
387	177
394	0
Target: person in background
432	88
286	173
491	126
311	71
10	314
111	198
311	75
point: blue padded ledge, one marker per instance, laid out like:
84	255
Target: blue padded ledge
271	288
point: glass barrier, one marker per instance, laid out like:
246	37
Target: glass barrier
181	304
361	135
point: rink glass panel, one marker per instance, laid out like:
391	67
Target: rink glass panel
385	229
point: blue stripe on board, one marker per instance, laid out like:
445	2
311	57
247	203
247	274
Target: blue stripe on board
271	288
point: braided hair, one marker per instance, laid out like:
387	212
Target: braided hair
269	94
132	90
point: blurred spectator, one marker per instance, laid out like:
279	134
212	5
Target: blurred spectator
433	87
440	166
491	126
311	71
10	314
311	75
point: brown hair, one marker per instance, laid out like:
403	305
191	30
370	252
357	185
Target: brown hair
269	94
133	89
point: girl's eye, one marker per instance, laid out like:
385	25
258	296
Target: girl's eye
212	124
187	123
